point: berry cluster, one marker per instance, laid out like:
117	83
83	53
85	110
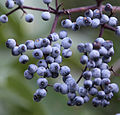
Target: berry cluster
49	58
49	52
97	82
94	19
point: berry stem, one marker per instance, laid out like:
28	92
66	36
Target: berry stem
106	26
101	31
54	23
81	75
13	11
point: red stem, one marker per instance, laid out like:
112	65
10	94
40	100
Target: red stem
54	23
13	11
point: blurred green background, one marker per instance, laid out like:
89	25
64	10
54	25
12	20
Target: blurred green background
16	92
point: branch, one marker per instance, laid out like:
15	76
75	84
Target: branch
106	26
82	74
38	9
13	11
73	10
101	31
54	24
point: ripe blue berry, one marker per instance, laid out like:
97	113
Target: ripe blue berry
10	43
95	23
42	83
97	81
42	63
49	59
54	37
62	34
66	53
66	23
88	47
103	66
3	18
23	59
66	43
30	44
75	27
22	48
37	53
100	40
47	50
41	92
105	81
84	59
101	94
89	13
41	71
45	16
38	43
104	19
15	51
108	44
93	91
103	51
29	18
47	1
96	13
94	54
96	102
54	67
96	73
113	21
82	91
113	87
45	42
55	52
79	100
28	75
87	75
79	21
64	70
57	45
91	64
87	21
81	47
56	87
63	89
108	7
104	103
105	73
9	4
87	83
32	68
58	59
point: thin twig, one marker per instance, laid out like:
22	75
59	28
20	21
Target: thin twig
54	23
81	75
13	11
101	31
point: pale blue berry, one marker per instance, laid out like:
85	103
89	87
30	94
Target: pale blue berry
45	16
10	43
23	59
42	83
28	75
37	53
29	18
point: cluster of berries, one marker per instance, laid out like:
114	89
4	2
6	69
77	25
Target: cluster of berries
48	54
94	19
97	82
29	17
